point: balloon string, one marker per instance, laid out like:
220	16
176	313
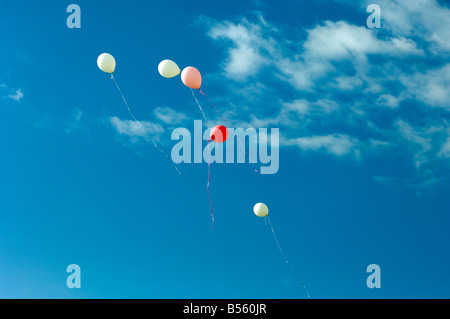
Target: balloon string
267	220
207	188
217	110
146	136
199	106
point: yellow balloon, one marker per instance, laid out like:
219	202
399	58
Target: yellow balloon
261	210
106	62
168	69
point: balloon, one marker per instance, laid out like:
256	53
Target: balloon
168	69
191	77
219	134
261	210
106	62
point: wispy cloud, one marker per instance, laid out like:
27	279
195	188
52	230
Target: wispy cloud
345	89
337	144
17	95
135	129
424	19
75	123
248	48
389	100
430	87
445	149
418	138
169	116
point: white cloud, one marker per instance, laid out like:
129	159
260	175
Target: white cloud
431	87
426	19
245	55
337	144
17	96
254	46
75	123
338	76
389	100
421	138
333	42
445	149
387	180
347	83
294	111
339	40
169	116
135	129
300	107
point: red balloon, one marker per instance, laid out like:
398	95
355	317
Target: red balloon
219	134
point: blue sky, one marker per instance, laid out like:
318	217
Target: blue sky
364	150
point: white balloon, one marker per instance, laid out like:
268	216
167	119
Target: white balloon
106	62
168	69
261	210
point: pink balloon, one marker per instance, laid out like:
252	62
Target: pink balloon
191	77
